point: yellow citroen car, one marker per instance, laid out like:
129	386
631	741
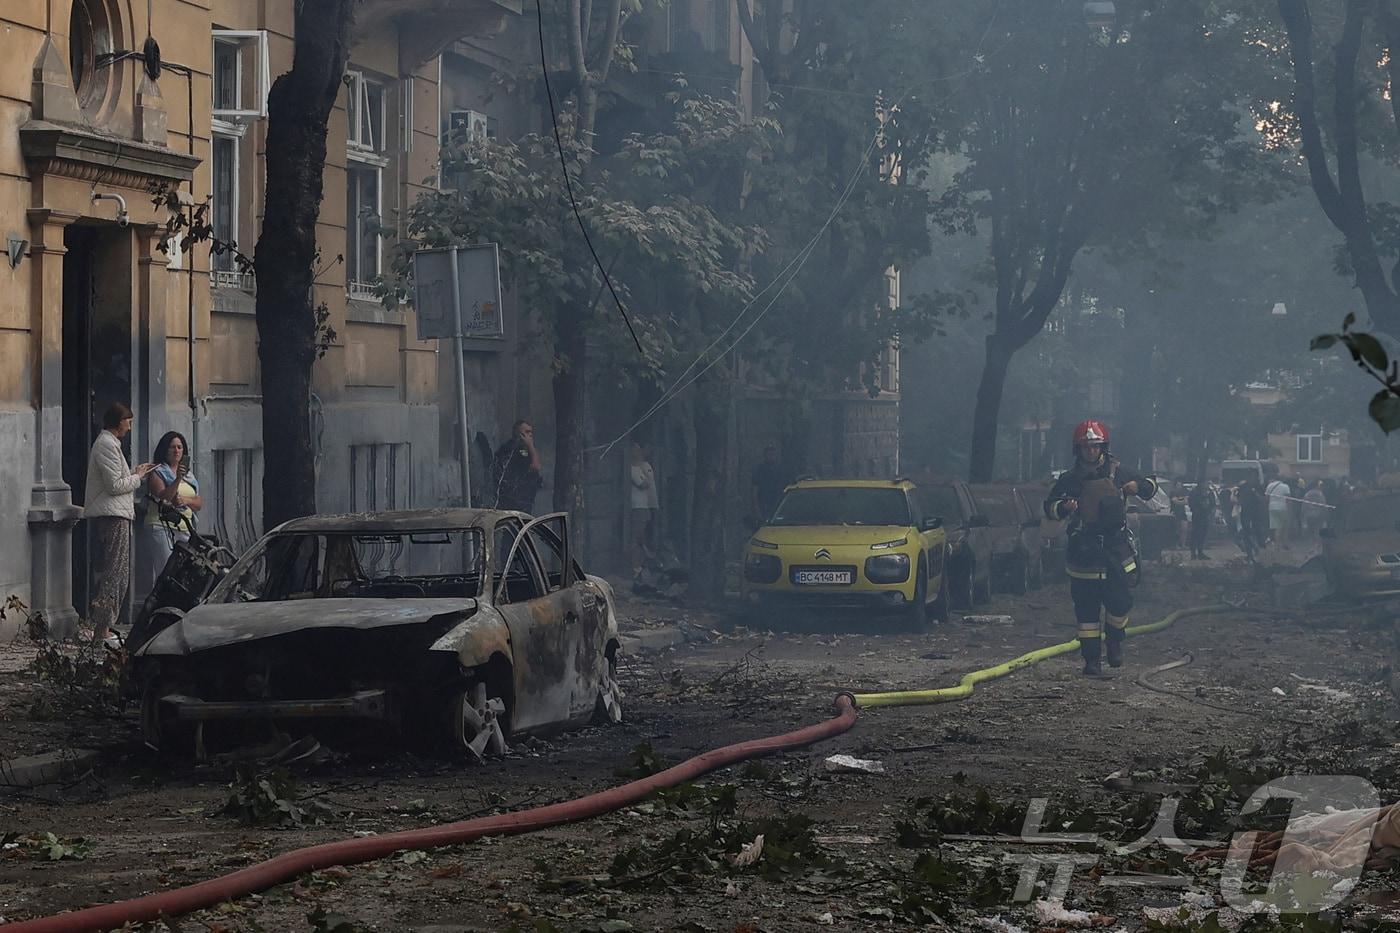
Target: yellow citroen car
849	544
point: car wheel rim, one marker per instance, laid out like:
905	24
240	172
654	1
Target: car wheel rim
479	715
610	696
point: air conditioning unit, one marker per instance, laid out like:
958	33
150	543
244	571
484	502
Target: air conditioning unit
477	124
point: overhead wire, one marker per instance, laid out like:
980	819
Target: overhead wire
569	184
684	381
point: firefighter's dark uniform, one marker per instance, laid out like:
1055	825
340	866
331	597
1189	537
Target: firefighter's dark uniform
1100	557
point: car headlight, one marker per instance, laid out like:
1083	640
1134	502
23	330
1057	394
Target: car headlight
886	545
887	568
763	544
762	568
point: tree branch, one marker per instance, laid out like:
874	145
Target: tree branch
1298	22
610	39
576	57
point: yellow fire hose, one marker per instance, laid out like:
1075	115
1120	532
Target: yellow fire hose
972	679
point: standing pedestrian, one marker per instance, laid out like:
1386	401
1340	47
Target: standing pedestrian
516	474
766	485
1228	512
1099	555
644	503
1314	511
1178	507
110	509
170	485
1202	508
1278	493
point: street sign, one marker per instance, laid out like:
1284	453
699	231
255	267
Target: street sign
478	283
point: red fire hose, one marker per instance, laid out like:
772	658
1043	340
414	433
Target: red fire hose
298	862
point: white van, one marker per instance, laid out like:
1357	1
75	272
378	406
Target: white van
1234	472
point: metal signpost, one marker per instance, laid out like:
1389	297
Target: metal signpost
447	281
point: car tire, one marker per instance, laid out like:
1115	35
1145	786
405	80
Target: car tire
940	605
964	584
916	613
477	717
608	708
981	592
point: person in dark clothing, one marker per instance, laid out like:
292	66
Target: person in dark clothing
1254	521
516	471
1202	508
767	485
1100	556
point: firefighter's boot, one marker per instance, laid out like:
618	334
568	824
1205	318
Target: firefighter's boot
1113	641
1089	648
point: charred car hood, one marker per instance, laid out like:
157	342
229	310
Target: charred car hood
215	626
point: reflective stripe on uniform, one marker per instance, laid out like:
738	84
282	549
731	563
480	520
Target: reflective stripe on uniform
1086	631
1130	566
1087	574
1118	622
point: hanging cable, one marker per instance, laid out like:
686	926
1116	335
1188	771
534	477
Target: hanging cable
569	185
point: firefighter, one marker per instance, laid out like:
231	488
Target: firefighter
1100	556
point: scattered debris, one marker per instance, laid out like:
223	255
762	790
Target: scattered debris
843	763
748	854
989	620
1053	912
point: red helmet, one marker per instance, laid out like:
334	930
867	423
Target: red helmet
1091	432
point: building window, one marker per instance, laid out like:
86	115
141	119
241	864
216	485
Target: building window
365	113
241	75
362	192
1309	448
90	38
225	200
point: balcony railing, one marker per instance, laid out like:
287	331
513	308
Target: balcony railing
362	291
222	278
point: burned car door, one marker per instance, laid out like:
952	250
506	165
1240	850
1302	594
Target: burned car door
585	629
539	618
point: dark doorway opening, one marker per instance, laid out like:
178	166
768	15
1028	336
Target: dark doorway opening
97	371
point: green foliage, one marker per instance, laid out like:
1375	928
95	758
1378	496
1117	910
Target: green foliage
643	762
716	846
263	798
1370	356
75	680
47	847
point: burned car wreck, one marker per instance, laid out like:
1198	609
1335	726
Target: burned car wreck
455	628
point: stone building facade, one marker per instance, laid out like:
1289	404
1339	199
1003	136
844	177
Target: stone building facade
91	311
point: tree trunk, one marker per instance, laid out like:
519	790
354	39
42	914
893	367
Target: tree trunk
571	370
299	107
987	413
707	550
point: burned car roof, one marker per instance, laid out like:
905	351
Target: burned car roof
404	520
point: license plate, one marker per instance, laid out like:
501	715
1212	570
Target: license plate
823	577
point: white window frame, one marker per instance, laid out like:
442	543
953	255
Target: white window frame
358	88
1314	442
406	84
245	39
229	278
365	289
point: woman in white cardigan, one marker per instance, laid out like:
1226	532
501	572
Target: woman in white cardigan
110	509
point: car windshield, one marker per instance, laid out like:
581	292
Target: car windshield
304	565
999	506
940	502
842	505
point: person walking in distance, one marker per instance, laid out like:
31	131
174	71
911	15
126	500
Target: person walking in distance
1278	493
516	473
644	502
1099	555
766	485
1202	510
